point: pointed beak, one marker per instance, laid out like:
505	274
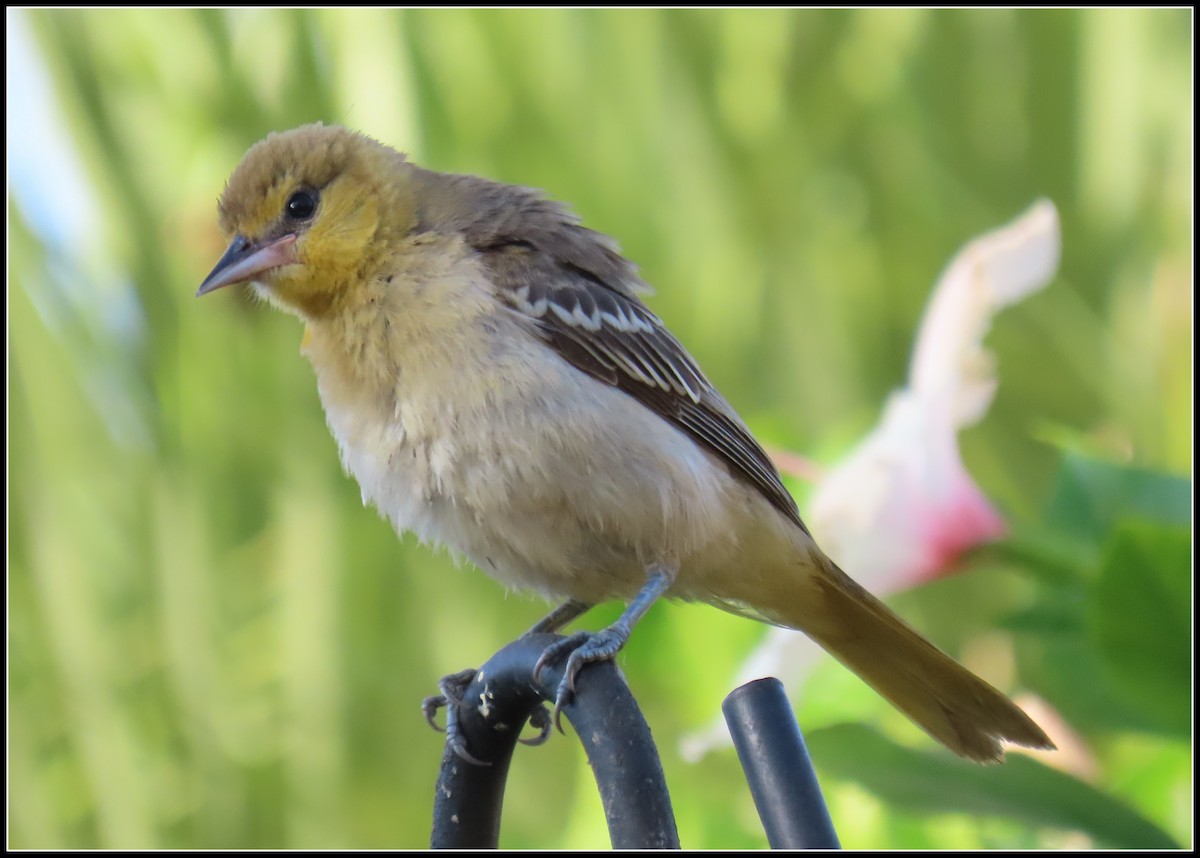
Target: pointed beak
244	259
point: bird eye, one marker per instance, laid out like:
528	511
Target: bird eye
301	205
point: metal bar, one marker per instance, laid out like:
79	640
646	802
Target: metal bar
469	799
778	769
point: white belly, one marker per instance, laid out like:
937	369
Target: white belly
561	485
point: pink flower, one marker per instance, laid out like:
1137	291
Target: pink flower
900	508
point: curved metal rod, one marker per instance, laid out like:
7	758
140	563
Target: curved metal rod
466	811
781	776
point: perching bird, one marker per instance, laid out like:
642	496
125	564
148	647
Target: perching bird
497	386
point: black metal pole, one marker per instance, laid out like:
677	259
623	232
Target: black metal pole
606	717
781	776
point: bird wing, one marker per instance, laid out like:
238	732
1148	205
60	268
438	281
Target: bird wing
581	294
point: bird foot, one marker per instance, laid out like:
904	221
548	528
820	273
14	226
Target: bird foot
453	688
584	648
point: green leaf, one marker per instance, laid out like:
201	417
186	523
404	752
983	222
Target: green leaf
1116	655
1070	673
1050	554
1140	620
1091	496
1046	618
1114	626
1021	789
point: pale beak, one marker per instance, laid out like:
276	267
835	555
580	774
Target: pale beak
243	260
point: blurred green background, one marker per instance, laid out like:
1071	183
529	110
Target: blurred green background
212	644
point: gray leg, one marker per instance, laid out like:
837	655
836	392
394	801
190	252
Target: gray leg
552	622
559	617
603	645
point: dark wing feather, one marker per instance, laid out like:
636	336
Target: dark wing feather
581	294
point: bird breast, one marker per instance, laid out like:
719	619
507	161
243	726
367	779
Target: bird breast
478	437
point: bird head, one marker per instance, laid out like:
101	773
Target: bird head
307	212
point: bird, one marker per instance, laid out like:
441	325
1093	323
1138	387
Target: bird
497	385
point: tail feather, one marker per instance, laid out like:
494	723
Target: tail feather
953	705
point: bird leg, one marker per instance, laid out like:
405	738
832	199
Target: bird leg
455	685
587	647
559	617
552	622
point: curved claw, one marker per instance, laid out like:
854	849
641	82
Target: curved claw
556	649
560	700
539	718
566	689
430	706
459	746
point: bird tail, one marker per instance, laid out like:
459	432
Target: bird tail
950	703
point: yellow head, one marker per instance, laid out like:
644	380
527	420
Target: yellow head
308	213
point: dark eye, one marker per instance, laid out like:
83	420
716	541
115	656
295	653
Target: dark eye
301	205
